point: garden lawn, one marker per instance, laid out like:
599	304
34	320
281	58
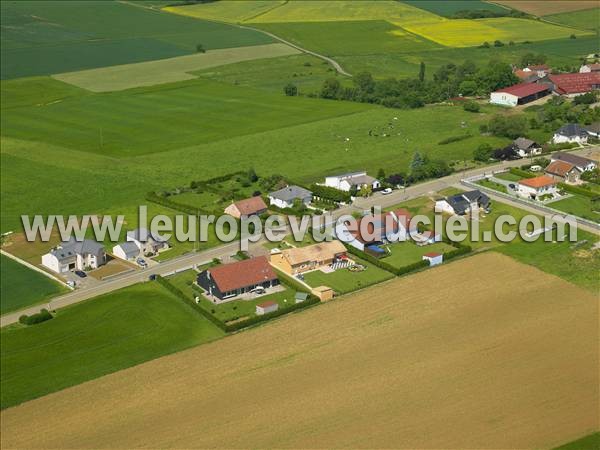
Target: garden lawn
405	253
40	38
21	287
97	337
343	281
578	205
508	176
234	309
492	185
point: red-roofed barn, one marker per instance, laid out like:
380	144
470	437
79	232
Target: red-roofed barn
573	84
519	94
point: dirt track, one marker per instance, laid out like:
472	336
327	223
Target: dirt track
484	353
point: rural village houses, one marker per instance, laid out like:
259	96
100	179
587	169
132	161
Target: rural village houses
294	261
534	188
146	242
346	181
571	133
563	171
285	198
75	255
253	206
224	282
381	229
463	203
583	164
526	148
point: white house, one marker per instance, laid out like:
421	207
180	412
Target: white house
594	130
346	181
587	68
526	148
463	203
75	255
533	188
583	164
127	251
392	226
433	258
570	133
266	308
285	198
146	242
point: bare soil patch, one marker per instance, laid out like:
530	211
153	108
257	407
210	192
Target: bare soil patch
484	352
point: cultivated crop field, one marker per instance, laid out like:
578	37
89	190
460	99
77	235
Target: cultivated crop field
40	38
99	336
544	8
502	362
448	8
469	33
22	286
588	19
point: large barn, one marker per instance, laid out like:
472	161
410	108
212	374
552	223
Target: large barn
519	94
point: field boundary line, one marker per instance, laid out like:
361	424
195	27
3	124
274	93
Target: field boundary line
337	66
37	269
262	13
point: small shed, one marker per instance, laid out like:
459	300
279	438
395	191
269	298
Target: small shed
266	307
301	297
323	292
433	258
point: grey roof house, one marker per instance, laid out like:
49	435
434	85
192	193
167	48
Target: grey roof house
463	203
75	255
526	147
146	241
284	198
583	164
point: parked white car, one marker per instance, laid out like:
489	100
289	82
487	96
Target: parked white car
386	191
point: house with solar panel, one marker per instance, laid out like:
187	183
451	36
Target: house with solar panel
464	203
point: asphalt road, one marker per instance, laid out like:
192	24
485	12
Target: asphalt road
188	260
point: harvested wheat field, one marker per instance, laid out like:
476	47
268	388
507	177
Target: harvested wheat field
481	353
546	7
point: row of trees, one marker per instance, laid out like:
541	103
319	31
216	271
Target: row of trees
448	81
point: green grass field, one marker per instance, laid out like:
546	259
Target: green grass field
226	11
339	38
343	281
448	8
306	72
40	38
21	287
590	442
405	253
578	205
97	337
587	19
62	140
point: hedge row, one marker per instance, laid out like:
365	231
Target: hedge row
577	190
521	173
165	201
228	328
178	293
40	317
209	184
329	193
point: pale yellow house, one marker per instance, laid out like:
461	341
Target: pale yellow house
302	259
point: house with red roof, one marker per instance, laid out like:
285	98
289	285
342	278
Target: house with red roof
373	230
519	94
534	188
223	283
242	209
574	84
434	258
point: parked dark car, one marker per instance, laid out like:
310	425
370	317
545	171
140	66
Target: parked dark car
152	277
80	273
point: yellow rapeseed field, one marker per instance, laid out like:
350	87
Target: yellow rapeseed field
479	353
468	33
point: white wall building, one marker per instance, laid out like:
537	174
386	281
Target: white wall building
346	181
285	198
433	258
74	255
533	188
127	251
147	242
570	133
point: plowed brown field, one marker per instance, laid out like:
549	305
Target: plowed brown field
481	353
546	7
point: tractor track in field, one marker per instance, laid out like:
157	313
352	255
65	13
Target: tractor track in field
337	66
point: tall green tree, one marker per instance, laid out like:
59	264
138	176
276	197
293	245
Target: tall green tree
422	72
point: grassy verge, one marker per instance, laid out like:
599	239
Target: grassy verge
21	287
97	337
